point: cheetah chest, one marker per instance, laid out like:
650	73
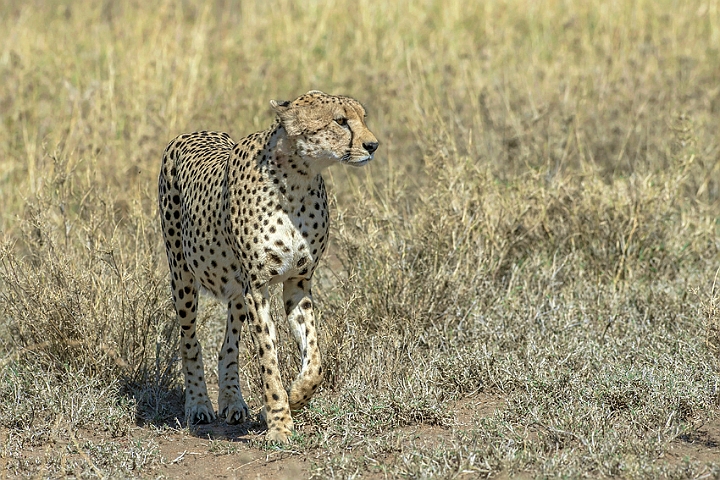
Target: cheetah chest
292	243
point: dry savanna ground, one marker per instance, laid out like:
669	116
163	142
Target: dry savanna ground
524	283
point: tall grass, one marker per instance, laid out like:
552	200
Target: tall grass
541	221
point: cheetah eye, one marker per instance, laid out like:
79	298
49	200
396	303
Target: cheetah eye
341	121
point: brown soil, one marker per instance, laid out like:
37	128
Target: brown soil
190	457
703	445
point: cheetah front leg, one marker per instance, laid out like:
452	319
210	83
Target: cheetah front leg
299	310
231	403
276	410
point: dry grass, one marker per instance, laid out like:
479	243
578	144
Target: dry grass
541	224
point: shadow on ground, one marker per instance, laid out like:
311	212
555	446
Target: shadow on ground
163	407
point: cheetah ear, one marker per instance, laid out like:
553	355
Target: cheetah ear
288	117
278	105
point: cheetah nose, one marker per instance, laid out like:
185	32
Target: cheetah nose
370	146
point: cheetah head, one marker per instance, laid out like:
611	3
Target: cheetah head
327	128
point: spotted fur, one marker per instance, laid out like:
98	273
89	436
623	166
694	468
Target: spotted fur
238	217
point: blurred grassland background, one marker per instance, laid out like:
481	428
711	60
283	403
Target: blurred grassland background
540	225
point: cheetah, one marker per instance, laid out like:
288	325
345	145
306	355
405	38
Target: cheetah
239	217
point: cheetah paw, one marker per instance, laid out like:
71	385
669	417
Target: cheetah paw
199	413
278	435
235	413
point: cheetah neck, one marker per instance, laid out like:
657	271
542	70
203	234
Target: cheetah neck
293	157
286	172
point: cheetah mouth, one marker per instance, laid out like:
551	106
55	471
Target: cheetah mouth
360	162
356	162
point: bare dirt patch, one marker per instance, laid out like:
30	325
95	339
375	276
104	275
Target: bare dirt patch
189	457
480	405
702	445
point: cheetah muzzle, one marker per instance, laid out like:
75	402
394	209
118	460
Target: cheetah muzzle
239	217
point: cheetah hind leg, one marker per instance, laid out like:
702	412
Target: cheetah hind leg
198	408
231	404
